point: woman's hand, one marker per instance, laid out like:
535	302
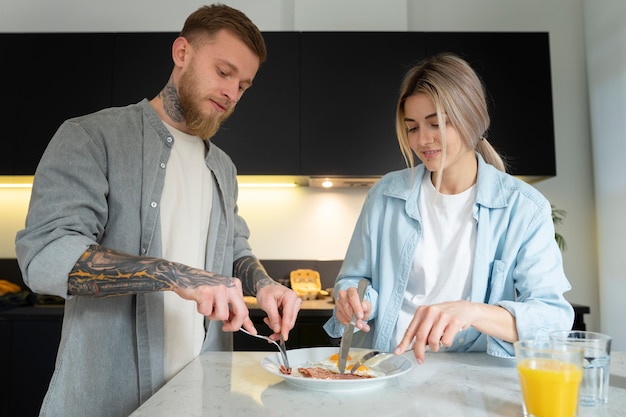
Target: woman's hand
437	324
348	304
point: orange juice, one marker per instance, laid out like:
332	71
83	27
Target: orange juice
549	387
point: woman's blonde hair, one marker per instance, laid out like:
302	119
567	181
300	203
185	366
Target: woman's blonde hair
457	91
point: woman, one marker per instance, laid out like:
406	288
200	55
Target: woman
458	253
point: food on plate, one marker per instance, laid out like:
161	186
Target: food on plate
322	373
283	370
327	368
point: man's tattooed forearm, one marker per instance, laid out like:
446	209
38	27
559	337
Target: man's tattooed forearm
252	275
102	272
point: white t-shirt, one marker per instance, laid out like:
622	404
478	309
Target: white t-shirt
185	211
443	258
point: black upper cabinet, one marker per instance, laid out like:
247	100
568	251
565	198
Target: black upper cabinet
262	136
322	104
515	68
350	85
142	65
49	78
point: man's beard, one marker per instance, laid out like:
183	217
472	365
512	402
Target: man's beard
205	126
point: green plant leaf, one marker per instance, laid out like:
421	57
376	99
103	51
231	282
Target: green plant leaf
558	216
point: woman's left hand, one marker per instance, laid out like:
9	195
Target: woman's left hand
437	324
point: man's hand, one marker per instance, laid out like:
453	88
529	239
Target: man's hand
281	305
221	299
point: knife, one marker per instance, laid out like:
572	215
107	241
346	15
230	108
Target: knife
346	339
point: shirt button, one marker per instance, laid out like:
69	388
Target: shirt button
169	139
153	204
162	164
143	250
461	339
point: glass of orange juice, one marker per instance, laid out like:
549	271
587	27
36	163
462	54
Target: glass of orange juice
549	373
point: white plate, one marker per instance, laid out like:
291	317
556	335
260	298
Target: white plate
392	367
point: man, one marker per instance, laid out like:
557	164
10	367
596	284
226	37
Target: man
133	219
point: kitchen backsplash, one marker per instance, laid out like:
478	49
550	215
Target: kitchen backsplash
285	223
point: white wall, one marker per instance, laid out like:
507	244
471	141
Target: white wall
279	236
301	223
605	22
13	207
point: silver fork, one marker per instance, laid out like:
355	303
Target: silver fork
280	345
364	358
370	355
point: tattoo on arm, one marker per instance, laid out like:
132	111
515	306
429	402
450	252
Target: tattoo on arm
102	272
252	275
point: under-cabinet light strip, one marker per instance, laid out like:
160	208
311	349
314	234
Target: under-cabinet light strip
268	185
16	181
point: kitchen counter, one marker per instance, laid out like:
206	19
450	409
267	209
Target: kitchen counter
322	307
234	384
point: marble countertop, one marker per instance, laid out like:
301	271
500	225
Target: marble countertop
234	384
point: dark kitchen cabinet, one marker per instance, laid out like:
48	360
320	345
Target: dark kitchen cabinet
57	76
48	78
29	339
262	136
350	84
142	64
323	103
348	89
515	68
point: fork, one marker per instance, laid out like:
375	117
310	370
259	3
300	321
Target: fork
364	358
280	345
370	355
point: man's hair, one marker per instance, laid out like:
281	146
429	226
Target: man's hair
208	20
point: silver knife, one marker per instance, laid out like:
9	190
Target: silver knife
346	339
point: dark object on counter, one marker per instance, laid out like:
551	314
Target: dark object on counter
27	298
579	316
16	299
48	300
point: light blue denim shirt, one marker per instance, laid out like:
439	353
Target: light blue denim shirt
100	182
517	263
